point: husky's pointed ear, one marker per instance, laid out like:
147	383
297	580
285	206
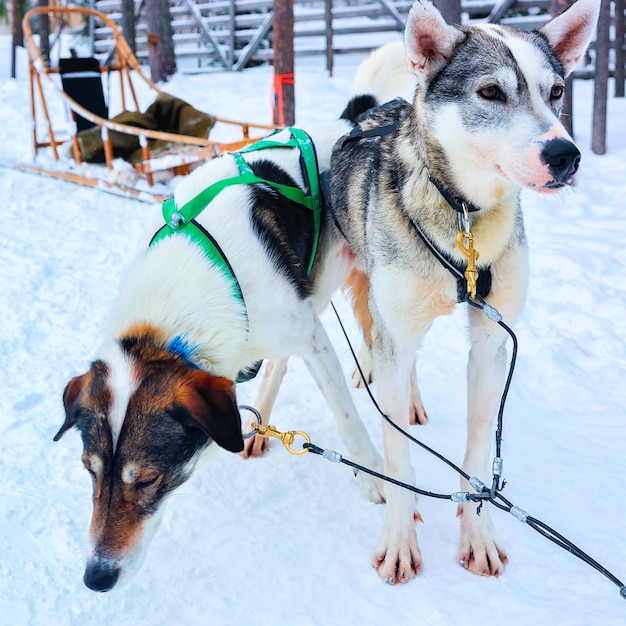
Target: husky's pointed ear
570	32
211	403
71	395
429	41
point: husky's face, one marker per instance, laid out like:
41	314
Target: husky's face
492	96
496	105
145	417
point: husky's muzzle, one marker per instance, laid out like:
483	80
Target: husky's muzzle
562	158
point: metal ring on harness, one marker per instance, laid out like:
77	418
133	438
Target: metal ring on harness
259	420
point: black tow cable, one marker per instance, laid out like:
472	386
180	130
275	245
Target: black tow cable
483	493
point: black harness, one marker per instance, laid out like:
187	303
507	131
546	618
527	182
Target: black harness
457	270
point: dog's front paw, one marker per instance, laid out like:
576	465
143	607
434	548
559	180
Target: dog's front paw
398	558
479	550
253	446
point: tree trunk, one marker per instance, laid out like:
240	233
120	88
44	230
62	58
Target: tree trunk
128	23
160	40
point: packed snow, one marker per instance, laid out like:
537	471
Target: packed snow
286	540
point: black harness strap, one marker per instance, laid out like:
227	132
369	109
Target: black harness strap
483	286
358	133
453	201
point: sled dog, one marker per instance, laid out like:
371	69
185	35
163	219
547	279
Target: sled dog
484	124
213	294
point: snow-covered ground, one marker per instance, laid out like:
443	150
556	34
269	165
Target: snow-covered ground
287	540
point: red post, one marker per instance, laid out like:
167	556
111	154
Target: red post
284	81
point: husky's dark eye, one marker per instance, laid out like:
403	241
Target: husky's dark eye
489	93
556	93
492	92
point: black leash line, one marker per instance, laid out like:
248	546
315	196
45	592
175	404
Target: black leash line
483	493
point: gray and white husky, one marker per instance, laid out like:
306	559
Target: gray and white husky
484	124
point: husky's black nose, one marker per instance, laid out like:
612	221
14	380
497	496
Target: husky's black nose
100	575
562	157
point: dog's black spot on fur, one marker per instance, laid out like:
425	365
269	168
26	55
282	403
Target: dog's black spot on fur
357	106
285	227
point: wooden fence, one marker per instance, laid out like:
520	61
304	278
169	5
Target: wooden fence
233	34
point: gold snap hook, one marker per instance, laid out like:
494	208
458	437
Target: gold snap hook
286	438
471	273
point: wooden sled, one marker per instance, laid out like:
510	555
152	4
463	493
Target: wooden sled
88	109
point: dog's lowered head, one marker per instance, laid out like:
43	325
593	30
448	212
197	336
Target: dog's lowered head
146	416
490	97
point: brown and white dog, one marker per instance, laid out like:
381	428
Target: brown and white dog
161	391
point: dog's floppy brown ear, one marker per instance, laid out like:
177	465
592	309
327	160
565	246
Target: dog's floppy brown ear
211	402
428	40
570	32
71	395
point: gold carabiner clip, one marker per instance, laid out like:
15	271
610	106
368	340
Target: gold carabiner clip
286	438
471	273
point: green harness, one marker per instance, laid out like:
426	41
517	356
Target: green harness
182	219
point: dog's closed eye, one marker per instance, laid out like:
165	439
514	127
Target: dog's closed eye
147	482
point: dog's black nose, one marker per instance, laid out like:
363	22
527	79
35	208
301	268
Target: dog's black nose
100	575
562	157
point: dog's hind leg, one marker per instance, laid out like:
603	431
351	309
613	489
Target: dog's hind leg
356	287
417	412
273	374
327	373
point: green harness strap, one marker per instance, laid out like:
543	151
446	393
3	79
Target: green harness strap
182	220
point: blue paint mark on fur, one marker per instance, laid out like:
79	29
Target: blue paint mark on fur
180	346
